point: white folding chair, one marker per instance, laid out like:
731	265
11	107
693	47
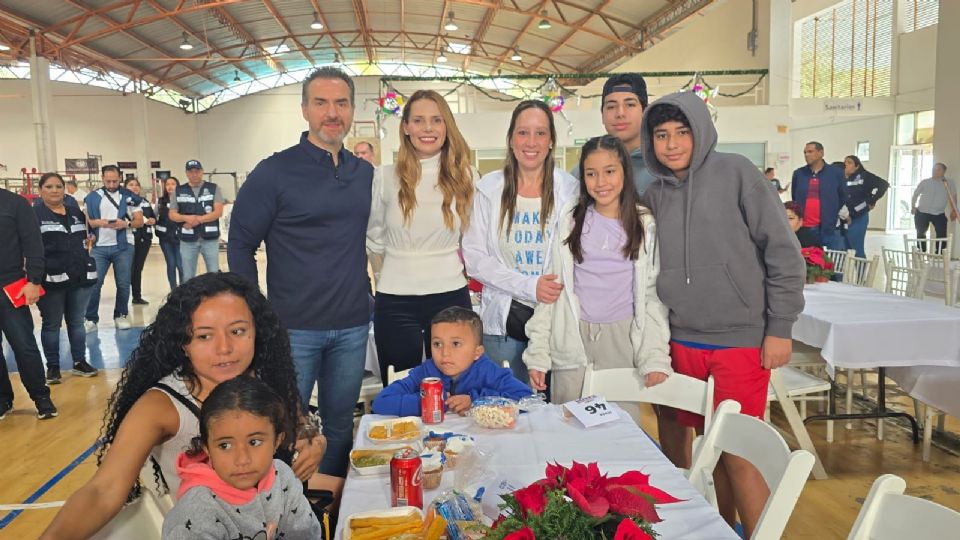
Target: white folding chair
800	385
861	272
928	245
888	514
904	276
625	384
938	271
784	472
839	258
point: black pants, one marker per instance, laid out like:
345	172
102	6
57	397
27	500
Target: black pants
923	220
140	249
401	325
17	326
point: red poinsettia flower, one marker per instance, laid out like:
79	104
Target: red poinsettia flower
628	530
556	475
593	502
498	521
522	534
641	482
532	499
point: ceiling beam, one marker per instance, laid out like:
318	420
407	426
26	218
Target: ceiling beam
326	26
651	27
576	26
283	24
481	32
438	44
241	33
360	12
516	40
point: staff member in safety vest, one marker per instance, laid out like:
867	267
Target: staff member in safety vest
142	240
197	206
70	272
110	210
168	231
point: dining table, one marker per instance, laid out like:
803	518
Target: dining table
509	459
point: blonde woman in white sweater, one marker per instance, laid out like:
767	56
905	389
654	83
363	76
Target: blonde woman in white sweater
507	246
421	204
609	313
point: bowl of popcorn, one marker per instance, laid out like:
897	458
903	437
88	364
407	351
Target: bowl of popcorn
495	412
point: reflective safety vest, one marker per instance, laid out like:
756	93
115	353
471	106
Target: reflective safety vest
67	264
189	204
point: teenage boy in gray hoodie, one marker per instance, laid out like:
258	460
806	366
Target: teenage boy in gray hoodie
731	275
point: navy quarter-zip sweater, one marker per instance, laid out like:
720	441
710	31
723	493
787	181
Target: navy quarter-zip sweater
313	216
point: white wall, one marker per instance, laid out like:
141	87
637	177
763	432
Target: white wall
94	120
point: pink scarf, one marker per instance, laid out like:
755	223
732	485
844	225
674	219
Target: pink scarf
196	471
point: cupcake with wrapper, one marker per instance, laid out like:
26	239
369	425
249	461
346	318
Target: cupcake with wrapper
432	470
457	445
436	442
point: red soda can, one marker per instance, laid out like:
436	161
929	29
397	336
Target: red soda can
406	479
431	400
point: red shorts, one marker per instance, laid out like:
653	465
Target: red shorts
737	375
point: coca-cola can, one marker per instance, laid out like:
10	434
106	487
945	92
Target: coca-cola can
431	400
406	479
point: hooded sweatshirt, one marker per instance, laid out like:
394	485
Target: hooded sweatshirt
731	272
209	508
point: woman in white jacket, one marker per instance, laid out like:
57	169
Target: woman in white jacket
508	243
609	313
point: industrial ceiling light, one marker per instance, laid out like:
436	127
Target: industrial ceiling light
442	58
4	47
236	76
544	23
185	45
516	56
450	26
337	59
316	24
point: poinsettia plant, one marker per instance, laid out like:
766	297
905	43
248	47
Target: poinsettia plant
578	503
819	265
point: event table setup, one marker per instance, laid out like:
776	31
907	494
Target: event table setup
862	328
505	460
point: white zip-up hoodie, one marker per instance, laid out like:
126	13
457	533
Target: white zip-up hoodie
554	329
484	260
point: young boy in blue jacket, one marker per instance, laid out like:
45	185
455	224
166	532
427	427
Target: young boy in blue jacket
458	361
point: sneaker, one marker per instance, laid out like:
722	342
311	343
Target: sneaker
46	409
140	301
121	322
5	409
53	375
83	369
89	326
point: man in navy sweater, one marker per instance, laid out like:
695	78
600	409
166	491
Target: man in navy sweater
821	190
310	204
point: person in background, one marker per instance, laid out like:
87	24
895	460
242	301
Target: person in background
111	210
864	189
364	150
623	102
21	257
142	240
507	246
198	206
771	175
69	274
930	202
795	219
421	205
168	232
310	204
76	193
821	190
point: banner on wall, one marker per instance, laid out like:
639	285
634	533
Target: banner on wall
81	165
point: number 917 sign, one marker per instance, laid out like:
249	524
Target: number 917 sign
591	411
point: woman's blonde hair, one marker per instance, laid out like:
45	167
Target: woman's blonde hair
456	178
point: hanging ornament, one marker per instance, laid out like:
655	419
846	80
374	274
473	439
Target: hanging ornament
552	97
569	123
391	103
707	95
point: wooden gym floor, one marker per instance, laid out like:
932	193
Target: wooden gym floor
46	461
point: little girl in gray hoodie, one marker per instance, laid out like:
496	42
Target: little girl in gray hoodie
231	486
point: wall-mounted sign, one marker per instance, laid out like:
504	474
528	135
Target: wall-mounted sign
843	106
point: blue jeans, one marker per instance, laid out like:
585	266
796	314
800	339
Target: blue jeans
500	348
857	234
832	239
54	306
17	327
334	359
190	251
171	254
121	257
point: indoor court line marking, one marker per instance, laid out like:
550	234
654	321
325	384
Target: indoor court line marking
50	483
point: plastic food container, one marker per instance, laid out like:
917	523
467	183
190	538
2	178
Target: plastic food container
374	460
411	513
407	428
532	403
495	412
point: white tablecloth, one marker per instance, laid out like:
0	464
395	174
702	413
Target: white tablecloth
860	328
933	385
521	454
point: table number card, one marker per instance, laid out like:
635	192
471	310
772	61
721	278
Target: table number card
591	411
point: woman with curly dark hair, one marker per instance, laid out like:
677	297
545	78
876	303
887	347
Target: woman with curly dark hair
211	329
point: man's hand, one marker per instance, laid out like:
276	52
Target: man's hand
547	289
30	292
307	456
775	352
459	404
538	380
654	378
913	211
119	225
